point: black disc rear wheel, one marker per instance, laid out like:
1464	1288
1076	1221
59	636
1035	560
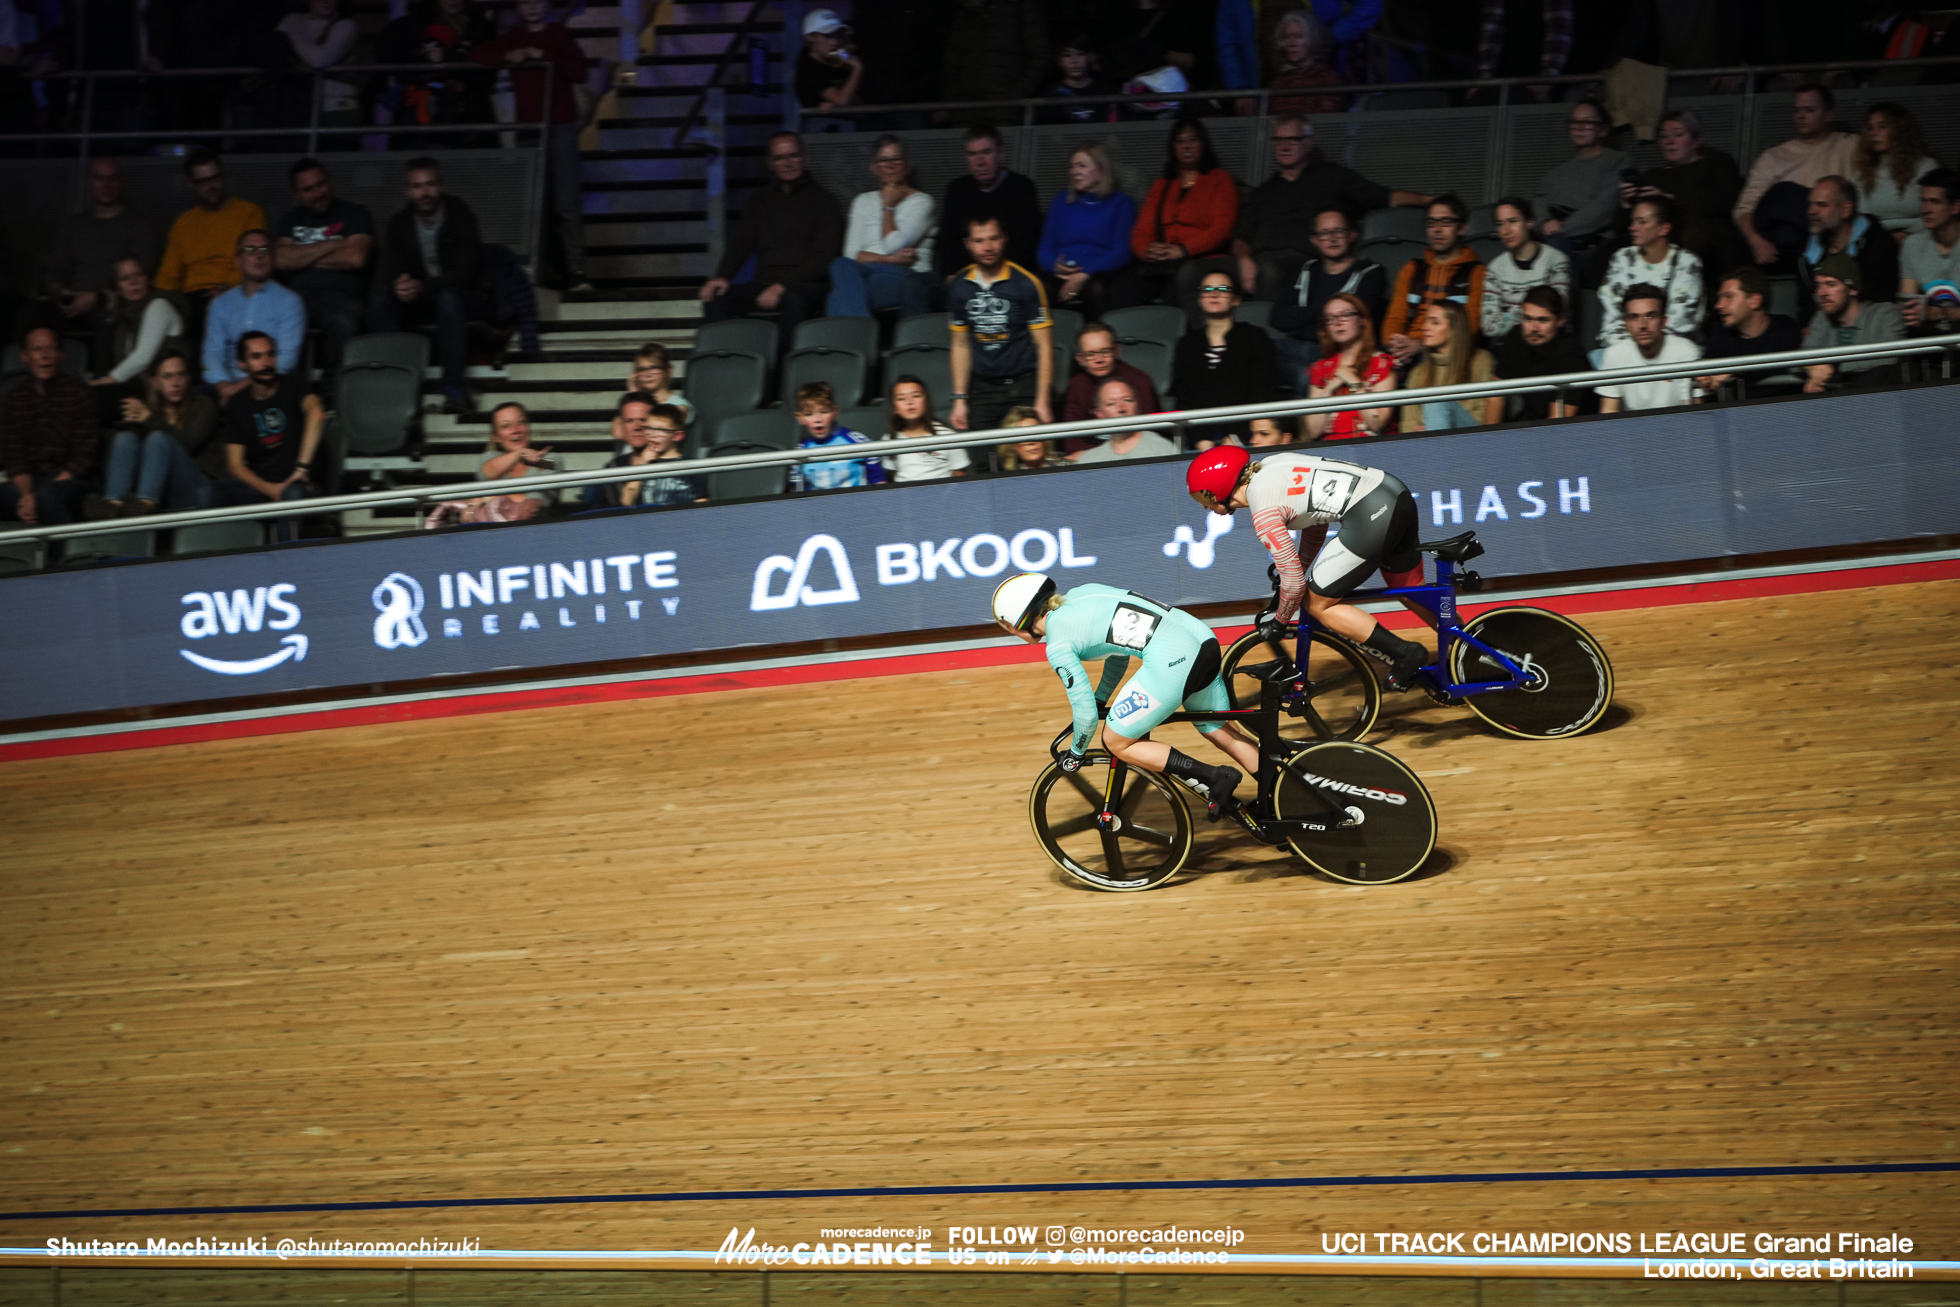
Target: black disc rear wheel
1390	820
1571	682
1342	697
1152	838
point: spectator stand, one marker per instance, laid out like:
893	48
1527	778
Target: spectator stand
1480	152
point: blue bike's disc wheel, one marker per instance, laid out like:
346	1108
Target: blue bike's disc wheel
1392	821
1151	839
1571	682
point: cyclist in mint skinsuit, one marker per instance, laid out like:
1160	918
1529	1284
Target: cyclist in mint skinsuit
1180	669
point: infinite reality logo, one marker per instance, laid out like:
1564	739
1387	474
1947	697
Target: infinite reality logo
398	601
215	611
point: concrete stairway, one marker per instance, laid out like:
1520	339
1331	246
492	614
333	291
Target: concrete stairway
646	250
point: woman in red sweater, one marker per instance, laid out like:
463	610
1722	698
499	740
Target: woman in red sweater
1185	222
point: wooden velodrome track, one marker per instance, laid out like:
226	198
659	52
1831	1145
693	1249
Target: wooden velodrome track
801	938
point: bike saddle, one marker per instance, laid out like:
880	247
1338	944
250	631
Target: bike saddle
1458	548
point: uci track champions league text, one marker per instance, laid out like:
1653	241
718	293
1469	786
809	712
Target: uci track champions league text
1662	1254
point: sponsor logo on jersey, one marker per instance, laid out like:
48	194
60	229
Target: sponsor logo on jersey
1129	705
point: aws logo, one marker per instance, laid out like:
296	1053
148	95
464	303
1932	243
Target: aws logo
267	607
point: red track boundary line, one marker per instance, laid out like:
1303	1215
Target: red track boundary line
497	701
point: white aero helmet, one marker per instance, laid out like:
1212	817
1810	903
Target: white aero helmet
1021	598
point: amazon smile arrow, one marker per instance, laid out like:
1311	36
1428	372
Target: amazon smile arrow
295	649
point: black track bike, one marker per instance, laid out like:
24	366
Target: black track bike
1351	811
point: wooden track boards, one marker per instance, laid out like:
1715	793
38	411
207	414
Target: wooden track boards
802	938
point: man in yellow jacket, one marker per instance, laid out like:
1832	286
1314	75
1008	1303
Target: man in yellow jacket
200	259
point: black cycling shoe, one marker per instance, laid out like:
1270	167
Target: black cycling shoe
1217	793
1401	674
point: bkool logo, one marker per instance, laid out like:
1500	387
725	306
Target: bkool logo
266	607
763	596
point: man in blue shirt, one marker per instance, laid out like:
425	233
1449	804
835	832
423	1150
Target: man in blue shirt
1001	358
257	303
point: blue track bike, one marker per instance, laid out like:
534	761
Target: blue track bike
1528	672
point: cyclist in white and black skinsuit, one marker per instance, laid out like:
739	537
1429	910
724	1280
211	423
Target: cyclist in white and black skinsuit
1305	492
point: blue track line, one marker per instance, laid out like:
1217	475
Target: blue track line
949	1190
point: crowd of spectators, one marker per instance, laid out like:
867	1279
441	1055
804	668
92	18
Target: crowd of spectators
187	370
911	54
1678	260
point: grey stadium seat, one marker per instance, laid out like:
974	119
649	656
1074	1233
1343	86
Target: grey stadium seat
376	404
859	334
922	329
869	420
76	550
20	556
766	428
1159	322
721	384
1153	358
1068	326
1391	254
755	336
747	482
1259	313
206	537
1393	224
847	371
408	349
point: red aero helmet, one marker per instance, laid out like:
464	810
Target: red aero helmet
1216	472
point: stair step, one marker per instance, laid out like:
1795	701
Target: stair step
623	315
703	29
609	217
672	91
628	185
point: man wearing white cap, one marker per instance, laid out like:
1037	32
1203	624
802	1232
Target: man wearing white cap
827	74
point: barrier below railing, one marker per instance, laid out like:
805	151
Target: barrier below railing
1645	489
1174	421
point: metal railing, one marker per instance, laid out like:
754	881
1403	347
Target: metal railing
1177	421
737	41
313	130
1263	95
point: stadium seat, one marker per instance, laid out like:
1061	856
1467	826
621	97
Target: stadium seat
1591	316
858	334
1259	313
376	404
1783	297
1159	322
78	550
868	420
930	364
1153	358
755	336
1486	248
1391	254
722	383
922	329
407	349
745	482
1393	224
847	371
20	556
1382	100
1483	221
1068	325
208	537
766	428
